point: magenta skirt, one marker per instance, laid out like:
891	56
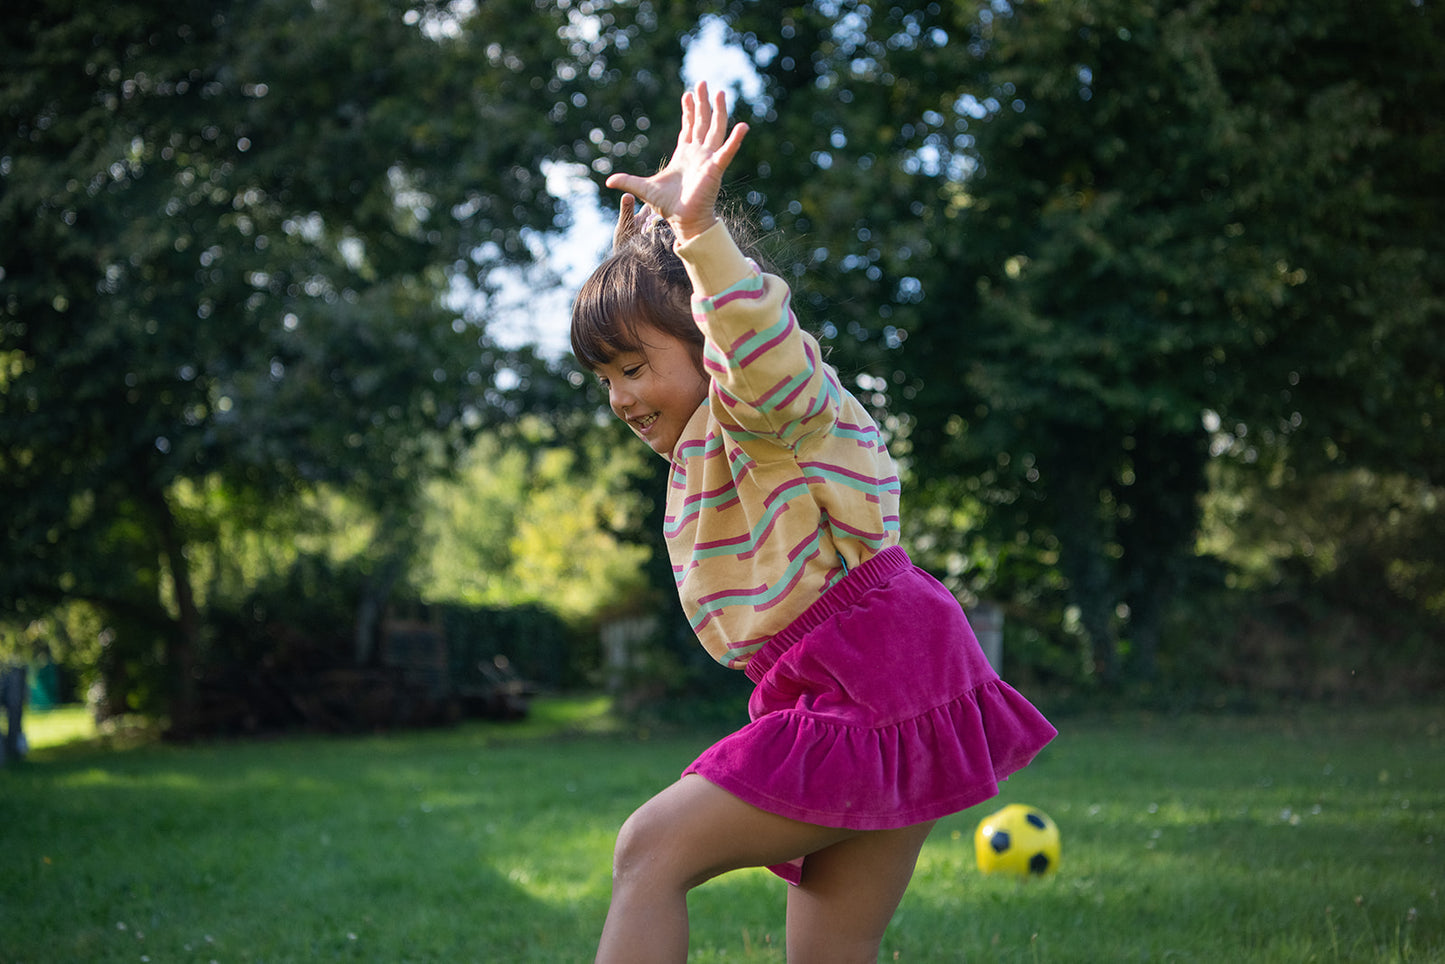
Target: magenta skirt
875	709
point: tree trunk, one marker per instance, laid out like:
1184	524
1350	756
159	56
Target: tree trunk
376	591
1159	533
1086	566
183	641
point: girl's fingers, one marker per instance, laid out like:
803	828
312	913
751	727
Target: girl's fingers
630	183
626	225
703	112
690	109
709	116
647	190
719	129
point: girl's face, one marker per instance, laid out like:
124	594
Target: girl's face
655	389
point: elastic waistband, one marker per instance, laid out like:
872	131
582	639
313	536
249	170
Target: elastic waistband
859	581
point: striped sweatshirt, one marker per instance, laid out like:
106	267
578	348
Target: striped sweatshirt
781	482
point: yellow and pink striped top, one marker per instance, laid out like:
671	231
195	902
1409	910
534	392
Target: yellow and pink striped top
781	481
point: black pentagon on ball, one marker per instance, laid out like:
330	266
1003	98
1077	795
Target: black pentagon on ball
999	841
1039	864
1036	819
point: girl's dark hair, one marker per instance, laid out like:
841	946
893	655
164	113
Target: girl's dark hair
641	285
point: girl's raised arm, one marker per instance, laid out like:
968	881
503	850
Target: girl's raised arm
685	191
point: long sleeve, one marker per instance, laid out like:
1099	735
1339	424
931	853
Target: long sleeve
782	481
768	374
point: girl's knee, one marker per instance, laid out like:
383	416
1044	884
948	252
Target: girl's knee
630	853
658	847
646	853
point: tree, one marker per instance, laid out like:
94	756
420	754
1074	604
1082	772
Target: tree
232	234
535	517
1067	236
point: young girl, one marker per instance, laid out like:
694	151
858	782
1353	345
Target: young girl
874	713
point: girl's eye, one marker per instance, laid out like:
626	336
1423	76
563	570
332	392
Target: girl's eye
632	372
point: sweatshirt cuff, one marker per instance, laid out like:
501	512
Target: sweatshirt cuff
713	261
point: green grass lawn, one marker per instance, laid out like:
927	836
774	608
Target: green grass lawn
1306	835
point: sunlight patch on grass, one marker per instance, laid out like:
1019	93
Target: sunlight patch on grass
96	778
58	725
590	715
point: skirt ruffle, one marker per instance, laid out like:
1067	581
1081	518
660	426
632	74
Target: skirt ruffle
816	770
875	710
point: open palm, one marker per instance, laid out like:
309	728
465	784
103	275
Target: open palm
685	191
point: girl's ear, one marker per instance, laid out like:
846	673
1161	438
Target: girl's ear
629	221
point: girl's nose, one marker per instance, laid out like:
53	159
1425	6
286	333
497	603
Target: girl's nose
619	398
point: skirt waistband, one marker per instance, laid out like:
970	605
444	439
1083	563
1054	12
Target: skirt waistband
843	595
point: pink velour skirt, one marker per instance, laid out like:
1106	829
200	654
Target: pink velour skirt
875	709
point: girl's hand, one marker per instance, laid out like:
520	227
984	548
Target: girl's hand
685	191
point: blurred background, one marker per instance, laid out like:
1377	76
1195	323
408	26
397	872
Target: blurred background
1147	296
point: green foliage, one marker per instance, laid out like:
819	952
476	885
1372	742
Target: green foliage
1363	534
236	239
1335	583
531	519
1073	252
1061	237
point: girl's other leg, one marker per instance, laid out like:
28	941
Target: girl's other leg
848	895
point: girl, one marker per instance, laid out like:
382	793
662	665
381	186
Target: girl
874	712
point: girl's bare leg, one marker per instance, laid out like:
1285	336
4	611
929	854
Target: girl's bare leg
848	895
693	830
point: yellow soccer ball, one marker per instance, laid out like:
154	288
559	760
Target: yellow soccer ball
1019	840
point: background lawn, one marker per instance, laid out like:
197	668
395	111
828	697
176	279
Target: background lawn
1304	835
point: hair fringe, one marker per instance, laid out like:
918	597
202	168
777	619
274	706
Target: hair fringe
643	285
